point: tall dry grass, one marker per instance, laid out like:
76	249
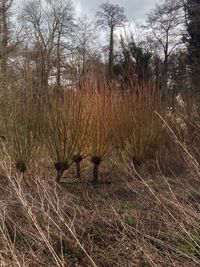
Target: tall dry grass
140	132
20	126
151	221
92	122
100	143
64	128
84	130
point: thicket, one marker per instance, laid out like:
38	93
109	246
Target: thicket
118	119
95	123
153	212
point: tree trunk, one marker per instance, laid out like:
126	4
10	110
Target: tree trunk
111	48
59	175
21	166
4	47
58	71
78	169
96	161
95	174
60	168
77	159
166	63
41	73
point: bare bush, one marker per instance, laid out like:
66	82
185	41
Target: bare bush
21	127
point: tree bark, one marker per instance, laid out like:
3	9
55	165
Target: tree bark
59	175
78	169
58	71
111	48
4	46
95	174
60	168
165	68
96	161
77	159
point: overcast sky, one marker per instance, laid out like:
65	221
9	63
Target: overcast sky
135	10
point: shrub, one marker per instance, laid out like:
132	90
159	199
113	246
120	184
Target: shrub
184	124
142	131
20	124
84	130
60	130
102	129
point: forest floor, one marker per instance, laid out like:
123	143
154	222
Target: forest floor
126	220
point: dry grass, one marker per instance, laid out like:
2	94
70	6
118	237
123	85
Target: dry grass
20	126
63	130
102	130
84	130
142	133
153	221
141	218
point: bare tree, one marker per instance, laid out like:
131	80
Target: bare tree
47	22
40	35
8	40
166	25
83	50
62	17
112	17
5	6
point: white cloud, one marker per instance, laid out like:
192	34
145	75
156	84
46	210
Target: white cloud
135	10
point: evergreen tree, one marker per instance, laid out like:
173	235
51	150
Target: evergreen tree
193	7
